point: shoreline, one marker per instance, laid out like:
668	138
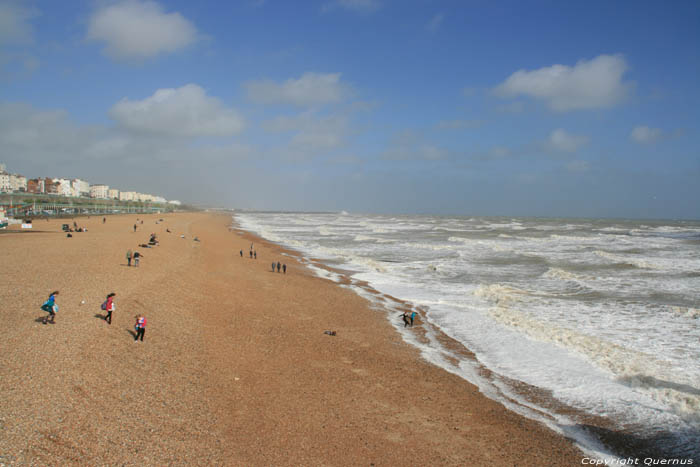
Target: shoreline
235	368
595	435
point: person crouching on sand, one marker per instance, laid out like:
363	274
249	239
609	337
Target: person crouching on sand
51	307
140	327
109	307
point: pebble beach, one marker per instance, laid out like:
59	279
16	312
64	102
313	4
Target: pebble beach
235	367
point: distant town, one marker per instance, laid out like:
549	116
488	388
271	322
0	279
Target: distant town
76	188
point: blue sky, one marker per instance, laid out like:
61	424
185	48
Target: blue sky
585	109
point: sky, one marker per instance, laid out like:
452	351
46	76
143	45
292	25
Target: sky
542	108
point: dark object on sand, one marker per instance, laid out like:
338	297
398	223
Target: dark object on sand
65	227
330	333
69	235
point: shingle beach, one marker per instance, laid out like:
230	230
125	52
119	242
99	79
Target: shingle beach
235	367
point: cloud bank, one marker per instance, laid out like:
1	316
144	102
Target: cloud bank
590	84
15	26
185	111
134	29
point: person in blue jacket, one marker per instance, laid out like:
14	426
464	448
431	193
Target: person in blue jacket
51	307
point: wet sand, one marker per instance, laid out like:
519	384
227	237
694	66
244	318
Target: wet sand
235	368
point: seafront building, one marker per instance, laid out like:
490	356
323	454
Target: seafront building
15	183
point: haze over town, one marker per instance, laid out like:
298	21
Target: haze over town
585	109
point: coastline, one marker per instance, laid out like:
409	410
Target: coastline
235	368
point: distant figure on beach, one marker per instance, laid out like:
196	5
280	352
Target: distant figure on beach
140	327
134	227
241	253
104	219
284	268
255	254
51	308
273	266
137	257
75	225
278	266
128	257
109	307
251	254
167	230
406	321
413	315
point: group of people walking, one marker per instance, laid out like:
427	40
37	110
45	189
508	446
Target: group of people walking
277	265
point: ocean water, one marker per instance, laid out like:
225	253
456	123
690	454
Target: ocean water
602	316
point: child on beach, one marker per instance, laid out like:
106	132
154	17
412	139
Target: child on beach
109	307
140	327
128	257
137	257
50	307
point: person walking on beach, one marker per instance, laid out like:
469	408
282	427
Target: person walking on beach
284	268
278	266
128	257
104	219
251	254
140	327
51	307
255	254
413	315
134	227
406	322
273	266
109	307
241	253
137	257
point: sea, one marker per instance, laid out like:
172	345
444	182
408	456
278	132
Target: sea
591	326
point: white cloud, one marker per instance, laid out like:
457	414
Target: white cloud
590	84
309	90
646	135
313	135
15	26
135	29
435	23
561	141
185	111
355	5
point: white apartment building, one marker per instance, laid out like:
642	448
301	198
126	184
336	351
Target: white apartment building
64	187
99	191
2	167
18	182
127	196
4	182
81	187
159	199
113	193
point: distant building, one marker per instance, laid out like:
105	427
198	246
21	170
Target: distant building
3	168
81	187
18	183
99	191
127	196
63	187
50	187
4	182
35	185
175	202
113	193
